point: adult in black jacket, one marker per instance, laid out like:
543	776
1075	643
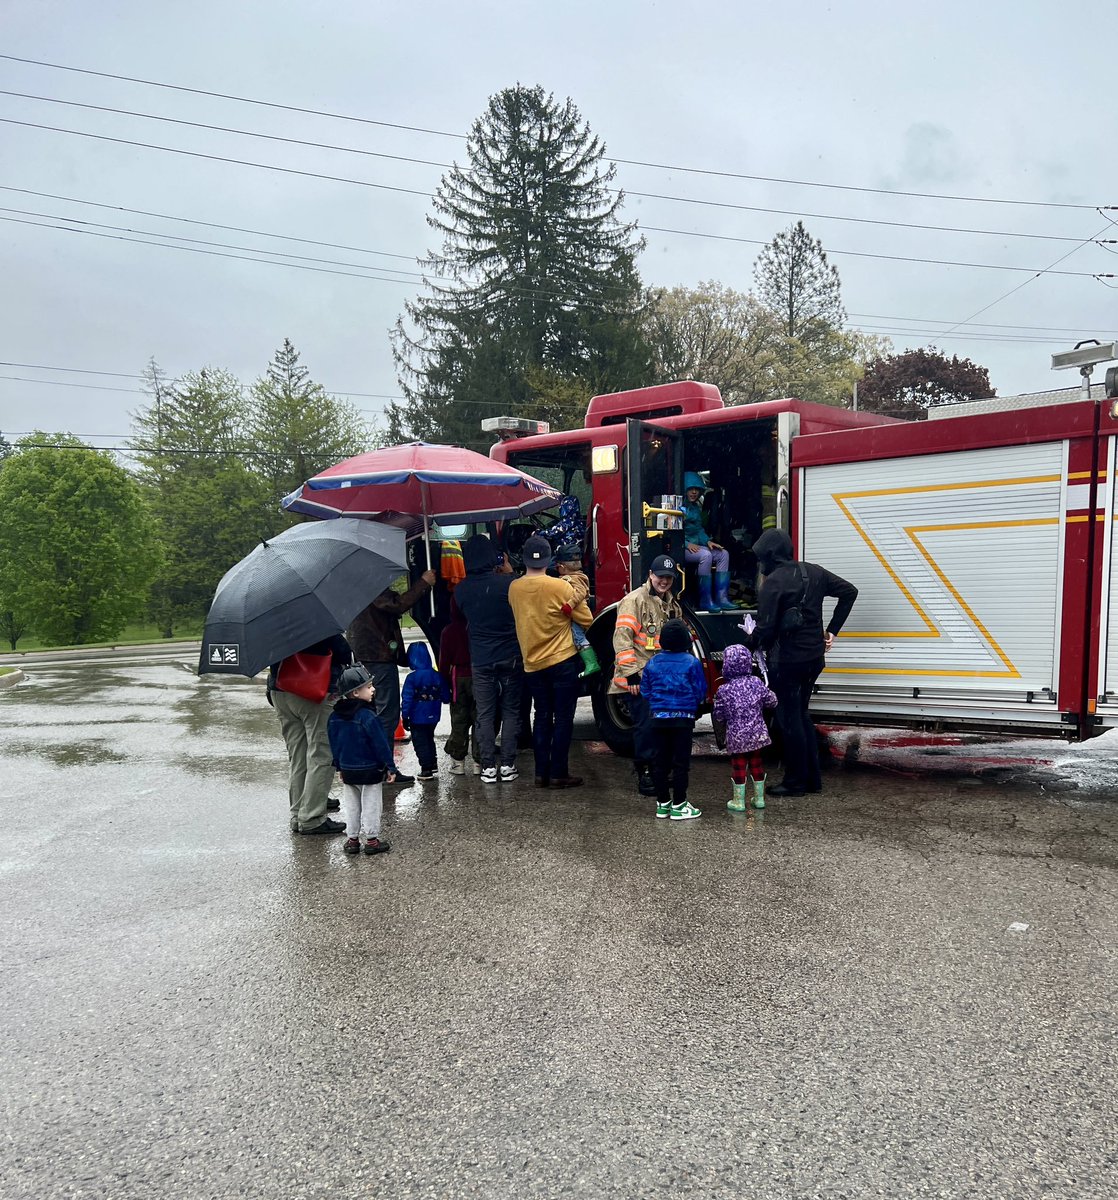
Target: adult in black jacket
790	629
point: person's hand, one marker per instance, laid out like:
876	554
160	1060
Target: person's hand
828	641
692	548
714	545
428	577
634	689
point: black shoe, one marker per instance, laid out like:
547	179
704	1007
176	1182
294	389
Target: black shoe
646	786
542	781
332	804
566	781
376	846
327	826
780	790
401	780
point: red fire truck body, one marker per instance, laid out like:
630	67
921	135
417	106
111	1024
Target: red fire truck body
982	545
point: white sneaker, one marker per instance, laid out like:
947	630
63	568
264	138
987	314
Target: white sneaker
508	774
488	774
477	768
457	766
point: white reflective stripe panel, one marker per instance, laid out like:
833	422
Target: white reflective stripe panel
957	558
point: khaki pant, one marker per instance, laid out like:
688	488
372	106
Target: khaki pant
303	725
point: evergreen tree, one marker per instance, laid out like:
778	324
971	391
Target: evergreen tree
5	447
297	429
536	273
77	544
795	281
210	508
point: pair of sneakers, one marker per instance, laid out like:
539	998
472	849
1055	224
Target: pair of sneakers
507	775
372	846
458	767
678	812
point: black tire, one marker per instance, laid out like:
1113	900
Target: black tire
611	713
615	726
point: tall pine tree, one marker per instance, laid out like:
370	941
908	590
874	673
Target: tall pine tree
796	282
296	428
534	294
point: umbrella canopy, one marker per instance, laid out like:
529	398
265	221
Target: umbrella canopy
303	585
445	483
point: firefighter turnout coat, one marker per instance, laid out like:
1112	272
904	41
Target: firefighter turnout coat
636	636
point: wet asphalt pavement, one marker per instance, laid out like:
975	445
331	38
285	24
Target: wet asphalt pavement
535	994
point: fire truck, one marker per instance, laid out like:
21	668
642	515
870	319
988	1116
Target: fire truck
982	544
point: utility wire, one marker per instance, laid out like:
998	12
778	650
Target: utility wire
620	161
753	208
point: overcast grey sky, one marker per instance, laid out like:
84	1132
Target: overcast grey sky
1005	102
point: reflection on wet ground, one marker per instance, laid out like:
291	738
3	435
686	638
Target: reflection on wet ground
902	987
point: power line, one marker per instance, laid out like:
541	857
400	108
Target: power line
141	212
753	208
620	161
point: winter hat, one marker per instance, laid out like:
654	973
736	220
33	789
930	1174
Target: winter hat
479	554
352	678
693	480
571	552
536	552
675	637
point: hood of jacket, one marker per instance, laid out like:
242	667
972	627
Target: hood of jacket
693	479
348	708
773	548
479	555
737	662
419	657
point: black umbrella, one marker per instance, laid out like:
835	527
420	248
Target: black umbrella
299	587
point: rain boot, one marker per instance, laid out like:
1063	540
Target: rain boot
705	604
737	802
721	592
759	792
590	662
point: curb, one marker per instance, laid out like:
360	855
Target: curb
11	678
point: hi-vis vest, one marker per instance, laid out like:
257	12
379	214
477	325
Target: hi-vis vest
636	636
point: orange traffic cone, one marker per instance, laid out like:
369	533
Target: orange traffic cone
402	734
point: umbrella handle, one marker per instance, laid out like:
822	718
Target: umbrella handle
427	543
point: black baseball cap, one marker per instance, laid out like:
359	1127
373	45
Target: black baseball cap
571	552
663	565
536	552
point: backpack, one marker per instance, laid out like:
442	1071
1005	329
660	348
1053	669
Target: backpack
793	616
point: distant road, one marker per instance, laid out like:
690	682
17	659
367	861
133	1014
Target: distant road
156	650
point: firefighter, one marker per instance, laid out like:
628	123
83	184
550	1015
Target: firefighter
641	616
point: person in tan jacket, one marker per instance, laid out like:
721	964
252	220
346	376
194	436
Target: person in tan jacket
543	608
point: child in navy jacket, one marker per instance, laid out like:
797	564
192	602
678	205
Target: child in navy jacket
363	756
674	685
421	705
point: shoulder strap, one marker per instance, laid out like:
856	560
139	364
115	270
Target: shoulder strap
803	583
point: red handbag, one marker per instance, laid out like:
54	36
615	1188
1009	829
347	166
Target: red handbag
306	675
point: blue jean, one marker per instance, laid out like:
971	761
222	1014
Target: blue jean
554	694
423	742
498	686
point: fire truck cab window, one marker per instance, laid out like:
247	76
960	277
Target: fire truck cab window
566	468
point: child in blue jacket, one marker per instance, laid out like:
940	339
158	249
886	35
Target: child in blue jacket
363	756
421	705
674	685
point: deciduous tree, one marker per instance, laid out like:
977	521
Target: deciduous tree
77	544
536	272
910	383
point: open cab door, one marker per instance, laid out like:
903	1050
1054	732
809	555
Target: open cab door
655	496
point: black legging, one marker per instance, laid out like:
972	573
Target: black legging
672	760
792	683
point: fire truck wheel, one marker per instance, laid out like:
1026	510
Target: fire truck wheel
615	725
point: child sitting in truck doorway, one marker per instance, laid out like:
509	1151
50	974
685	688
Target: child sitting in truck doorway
701	551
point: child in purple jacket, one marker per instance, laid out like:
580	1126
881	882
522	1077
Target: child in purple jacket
739	703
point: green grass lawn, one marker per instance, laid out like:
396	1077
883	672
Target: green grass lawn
132	635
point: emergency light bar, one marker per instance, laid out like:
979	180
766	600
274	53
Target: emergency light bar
514	426
1085	355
